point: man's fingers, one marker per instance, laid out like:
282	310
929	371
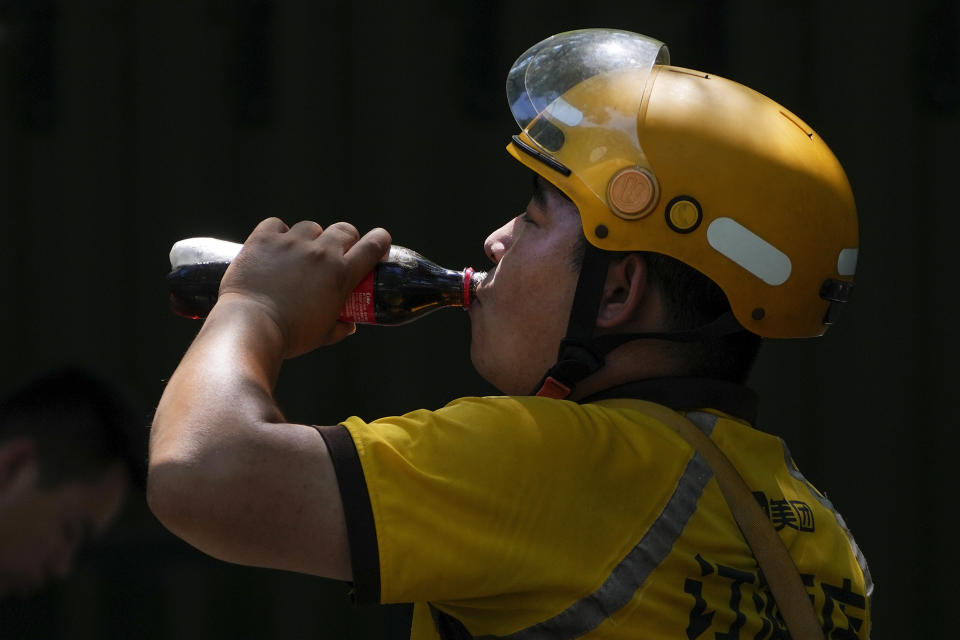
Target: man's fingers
306	229
270	225
342	233
341	330
360	254
367	251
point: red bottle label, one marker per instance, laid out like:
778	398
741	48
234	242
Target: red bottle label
359	304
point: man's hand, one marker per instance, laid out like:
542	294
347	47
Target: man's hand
300	277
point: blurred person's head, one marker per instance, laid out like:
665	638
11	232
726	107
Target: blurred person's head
64	473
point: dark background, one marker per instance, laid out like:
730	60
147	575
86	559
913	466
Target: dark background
125	126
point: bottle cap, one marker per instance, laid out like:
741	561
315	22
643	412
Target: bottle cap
467	290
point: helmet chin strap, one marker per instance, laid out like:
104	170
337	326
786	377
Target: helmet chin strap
583	354
578	358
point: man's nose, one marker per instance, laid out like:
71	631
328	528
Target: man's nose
498	242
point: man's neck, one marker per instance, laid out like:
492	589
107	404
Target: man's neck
637	360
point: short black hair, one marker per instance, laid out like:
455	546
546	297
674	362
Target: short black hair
79	423
692	300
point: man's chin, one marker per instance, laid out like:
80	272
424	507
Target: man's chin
506	385
505	377
484	368
478	364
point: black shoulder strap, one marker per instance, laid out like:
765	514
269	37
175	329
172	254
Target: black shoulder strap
772	556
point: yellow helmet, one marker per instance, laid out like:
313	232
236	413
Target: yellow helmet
694	166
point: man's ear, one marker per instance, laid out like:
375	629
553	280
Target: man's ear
623	292
18	464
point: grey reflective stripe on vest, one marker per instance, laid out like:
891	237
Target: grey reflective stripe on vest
823	500
618	589
704	421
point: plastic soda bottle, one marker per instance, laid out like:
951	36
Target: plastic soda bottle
401	288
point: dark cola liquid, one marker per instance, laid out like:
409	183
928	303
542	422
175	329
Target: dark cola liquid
194	288
400	289
410	287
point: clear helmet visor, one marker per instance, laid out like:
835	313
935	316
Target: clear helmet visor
577	95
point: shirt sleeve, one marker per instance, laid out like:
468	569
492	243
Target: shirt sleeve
493	496
361	532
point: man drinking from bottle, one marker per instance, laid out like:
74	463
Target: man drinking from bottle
618	488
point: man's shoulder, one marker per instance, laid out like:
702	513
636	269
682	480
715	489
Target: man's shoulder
600	414
533	420
487	412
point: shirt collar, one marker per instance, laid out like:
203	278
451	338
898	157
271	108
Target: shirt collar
683	393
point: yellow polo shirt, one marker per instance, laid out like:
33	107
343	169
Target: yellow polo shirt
526	517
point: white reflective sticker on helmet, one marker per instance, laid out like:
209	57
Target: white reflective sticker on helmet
565	112
847	262
749	250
